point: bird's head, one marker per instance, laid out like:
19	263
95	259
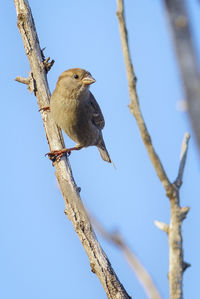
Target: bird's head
75	82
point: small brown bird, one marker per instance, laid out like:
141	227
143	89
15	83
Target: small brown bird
76	111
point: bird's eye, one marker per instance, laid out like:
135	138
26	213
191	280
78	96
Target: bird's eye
76	76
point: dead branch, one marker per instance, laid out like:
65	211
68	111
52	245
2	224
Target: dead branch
73	205
176	262
29	81
162	226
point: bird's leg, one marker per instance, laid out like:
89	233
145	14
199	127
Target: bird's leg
45	108
56	155
75	148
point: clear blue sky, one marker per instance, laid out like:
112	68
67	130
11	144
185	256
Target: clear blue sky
41	256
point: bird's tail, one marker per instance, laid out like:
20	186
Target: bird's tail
104	153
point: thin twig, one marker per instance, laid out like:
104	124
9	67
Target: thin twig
139	270
134	105
187	58
183	157
73	204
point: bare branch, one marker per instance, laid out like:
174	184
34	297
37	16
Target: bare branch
172	190
29	81
134	105
175	251
73	204
176	264
162	226
187	58
139	270
183	157
22	80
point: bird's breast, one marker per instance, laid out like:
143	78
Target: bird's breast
72	116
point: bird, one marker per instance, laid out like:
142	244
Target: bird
76	111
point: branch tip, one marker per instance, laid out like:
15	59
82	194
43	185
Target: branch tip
184	149
162	226
22	80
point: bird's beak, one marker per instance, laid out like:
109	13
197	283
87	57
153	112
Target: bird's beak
88	80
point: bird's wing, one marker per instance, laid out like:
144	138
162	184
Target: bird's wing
95	113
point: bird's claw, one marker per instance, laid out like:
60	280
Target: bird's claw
58	154
45	108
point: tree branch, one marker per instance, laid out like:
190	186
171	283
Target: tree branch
162	226
178	181
178	214
139	270
29	81
73	204
187	58
134	105
176	263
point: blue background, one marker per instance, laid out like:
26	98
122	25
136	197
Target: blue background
41	256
